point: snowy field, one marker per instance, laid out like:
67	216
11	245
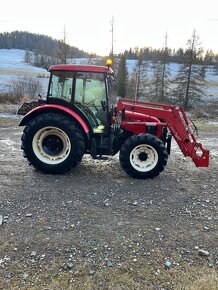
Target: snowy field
12	66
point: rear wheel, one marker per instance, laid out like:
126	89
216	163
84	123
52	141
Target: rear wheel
143	156
53	143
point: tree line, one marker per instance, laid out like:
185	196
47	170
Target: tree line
173	55
40	49
187	88
43	50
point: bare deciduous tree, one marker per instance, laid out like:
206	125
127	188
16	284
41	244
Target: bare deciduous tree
138	84
25	87
63	48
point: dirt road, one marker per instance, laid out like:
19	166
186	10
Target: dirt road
97	228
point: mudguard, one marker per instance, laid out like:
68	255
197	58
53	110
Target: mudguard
58	108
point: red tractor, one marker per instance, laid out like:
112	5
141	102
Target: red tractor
79	116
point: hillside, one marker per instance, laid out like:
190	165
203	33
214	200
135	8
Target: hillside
43	44
12	66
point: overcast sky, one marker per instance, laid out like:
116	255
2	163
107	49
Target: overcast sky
139	23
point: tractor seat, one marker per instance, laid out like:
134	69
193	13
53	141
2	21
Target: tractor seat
99	129
102	116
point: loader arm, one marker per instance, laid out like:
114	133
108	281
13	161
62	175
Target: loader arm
175	119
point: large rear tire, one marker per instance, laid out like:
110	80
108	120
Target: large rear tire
143	156
53	143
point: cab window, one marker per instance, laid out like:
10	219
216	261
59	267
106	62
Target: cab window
90	97
90	89
61	85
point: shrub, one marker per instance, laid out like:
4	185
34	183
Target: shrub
26	86
208	111
8	98
21	90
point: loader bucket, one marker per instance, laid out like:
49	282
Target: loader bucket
200	156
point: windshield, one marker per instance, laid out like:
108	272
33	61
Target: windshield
89	87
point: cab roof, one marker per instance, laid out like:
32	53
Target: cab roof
81	68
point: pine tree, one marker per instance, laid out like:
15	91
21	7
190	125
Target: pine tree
156	82
190	81
131	86
122	77
209	57
36	58
27	56
215	66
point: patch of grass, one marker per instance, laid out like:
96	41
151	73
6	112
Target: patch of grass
9	122
204	125
207	112
212	83
12	99
16	72
198	279
141	277
9	98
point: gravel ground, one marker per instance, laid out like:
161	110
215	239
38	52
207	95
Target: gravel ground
59	230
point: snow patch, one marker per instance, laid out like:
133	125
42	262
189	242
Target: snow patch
12	67
9	143
212	123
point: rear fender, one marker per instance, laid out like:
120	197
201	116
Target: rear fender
42	109
57	109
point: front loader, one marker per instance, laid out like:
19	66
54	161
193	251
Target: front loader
80	116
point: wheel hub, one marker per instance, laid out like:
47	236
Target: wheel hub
143	156
52	145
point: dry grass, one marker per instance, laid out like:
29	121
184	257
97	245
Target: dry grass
199	279
143	279
8	108
208	112
139	278
212	83
11	99
17	72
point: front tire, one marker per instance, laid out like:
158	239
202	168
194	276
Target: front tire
143	156
52	143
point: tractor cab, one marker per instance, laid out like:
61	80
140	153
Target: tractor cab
85	90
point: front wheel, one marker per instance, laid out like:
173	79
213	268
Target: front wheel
143	156
52	143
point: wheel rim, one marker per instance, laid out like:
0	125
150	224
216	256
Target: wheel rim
143	158
51	145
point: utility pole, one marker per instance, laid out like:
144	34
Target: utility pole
164	61
112	38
